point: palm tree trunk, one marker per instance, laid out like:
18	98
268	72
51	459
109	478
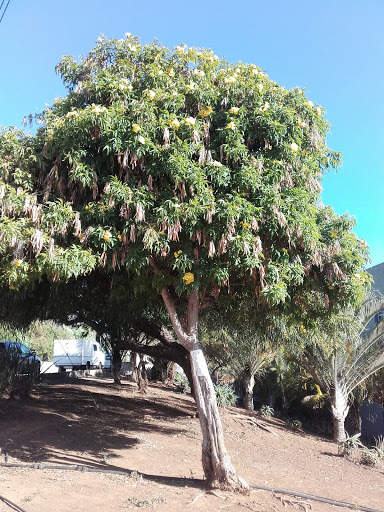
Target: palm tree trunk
249	384
339	406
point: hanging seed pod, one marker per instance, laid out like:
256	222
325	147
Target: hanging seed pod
37	241
183	192
257	247
132	234
254	224
211	249
223	246
150	182
140	214
103	259
166	138
77	224
202	156
195	137
209	215
246	248
51	246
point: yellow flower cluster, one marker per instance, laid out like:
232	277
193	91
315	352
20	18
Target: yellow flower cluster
301	124
135	128
332	234
119	237
177	254
89	208
231	126
229	80
205	112
245	225
73	113
188	278
175	123
150	94
107	236
234	110
191	86
294	147
215	163
103	208
18	263
97	109
171	72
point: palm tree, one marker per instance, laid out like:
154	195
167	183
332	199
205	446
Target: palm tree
338	368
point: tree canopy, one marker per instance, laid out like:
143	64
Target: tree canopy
209	168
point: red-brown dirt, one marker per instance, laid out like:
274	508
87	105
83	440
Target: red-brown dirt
157	436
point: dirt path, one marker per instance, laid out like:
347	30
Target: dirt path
157	436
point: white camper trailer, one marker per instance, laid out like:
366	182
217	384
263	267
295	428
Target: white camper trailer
78	354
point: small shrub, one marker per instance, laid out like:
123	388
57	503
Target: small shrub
370	457
181	383
351	444
266	411
295	424
225	395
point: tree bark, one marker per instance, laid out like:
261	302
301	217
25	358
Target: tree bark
217	467
339	407
116	364
249	384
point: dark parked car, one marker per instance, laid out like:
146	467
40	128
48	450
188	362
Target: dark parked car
24	360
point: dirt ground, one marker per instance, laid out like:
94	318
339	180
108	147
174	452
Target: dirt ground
157	438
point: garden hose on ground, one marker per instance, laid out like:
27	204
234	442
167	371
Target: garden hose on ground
88	469
317	498
11	505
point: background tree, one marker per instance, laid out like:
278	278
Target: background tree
196	175
343	358
239	346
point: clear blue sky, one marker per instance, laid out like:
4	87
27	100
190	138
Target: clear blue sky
334	49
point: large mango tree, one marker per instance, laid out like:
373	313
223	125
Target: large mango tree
198	176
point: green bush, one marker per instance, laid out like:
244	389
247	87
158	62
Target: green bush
181	383
225	395
266	411
350	444
294	424
370	457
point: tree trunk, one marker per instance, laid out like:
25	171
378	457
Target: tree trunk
217	467
339	406
249	384
171	372
116	365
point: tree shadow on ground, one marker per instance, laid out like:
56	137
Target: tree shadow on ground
85	421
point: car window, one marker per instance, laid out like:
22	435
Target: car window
24	350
